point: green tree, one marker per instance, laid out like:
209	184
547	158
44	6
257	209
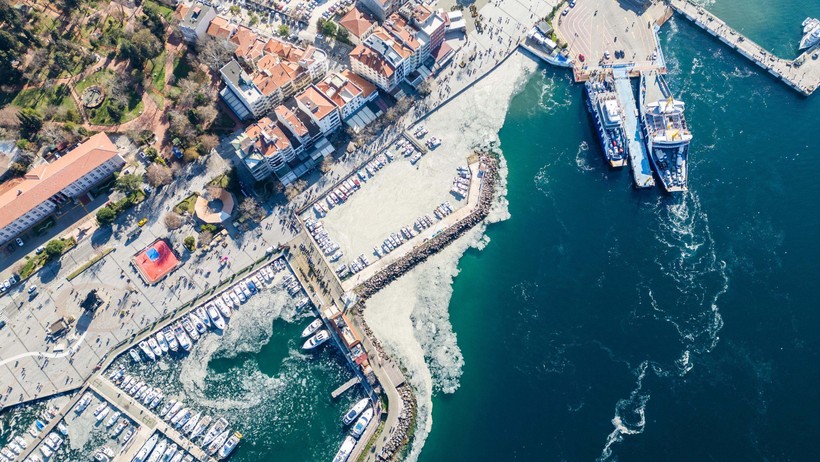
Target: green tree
30	123
54	248
106	215
343	35
128	183
189	242
329	28
254	19
235	10
283	30
140	47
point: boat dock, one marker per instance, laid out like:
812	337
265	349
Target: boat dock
638	157
344	387
802	74
147	420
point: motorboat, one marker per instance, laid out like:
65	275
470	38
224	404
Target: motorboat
218	442
312	327
234	299
172	340
182	337
166	408
344	451
199	325
189	329
157	399
319	338
135	355
237	292
355	411
361	424
224	309
103	413
113	419
163	344
158	451
170	452
82	404
152	342
120	427
227	299
129	432
174	411
218	427
146	448
61	427
178	456
191	423
229	445
201	314
47	452
147	350
200	427
182	418
216	318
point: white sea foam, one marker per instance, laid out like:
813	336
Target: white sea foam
411	316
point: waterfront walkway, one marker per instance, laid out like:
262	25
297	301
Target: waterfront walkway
801	74
638	159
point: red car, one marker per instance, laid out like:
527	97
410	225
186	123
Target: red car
581	58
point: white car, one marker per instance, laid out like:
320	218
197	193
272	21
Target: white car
19	242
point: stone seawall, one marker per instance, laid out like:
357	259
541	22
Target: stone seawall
401	436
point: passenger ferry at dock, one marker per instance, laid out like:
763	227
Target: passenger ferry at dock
667	134
602	102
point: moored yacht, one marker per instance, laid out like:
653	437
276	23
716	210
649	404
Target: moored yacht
229	445
355	411
362	423
216	318
147	350
344	451
811	33
321	337
312	327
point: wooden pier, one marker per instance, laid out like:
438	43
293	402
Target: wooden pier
345	386
802	74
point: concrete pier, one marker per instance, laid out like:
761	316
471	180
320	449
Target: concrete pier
801	74
638	157
344	387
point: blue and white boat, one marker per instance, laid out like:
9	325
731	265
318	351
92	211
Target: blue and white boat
606	111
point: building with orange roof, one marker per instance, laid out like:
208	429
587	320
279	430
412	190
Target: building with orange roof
348	91
49	186
382	8
381	59
194	20
264	147
220	28
274	71
358	24
320	108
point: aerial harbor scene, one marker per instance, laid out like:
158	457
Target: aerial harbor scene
410	230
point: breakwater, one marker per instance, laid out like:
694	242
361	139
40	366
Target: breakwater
421	253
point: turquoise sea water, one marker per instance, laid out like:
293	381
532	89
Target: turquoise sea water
602	322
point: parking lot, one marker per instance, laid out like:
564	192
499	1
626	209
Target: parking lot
610	32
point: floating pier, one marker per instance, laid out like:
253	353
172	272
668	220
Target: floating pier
345	386
802	74
638	157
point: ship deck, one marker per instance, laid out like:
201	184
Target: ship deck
638	157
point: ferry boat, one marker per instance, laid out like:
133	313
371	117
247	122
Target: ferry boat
667	134
811	33
602	102
344	451
321	337
355	411
312	328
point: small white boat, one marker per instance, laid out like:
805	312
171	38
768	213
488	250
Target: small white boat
157	453
120	427
218	442
166	408
83	403
135	355
200	427
113	419
189	329
170	452
200	312
146	448
344	451
321	337
199	325
224	309
163	344
47	452
61	427
147	350
234	299
174	411
178	456
229	445
218	427
238	293
362	423
182	337
355	411
216	318
171	339
182	418
102	414
128	434
152	342
227	299
312	327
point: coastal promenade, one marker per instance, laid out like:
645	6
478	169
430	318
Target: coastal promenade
801	74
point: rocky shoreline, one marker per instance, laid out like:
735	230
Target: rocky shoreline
401	435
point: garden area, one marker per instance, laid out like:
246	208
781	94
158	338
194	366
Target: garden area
122	102
52	251
54	102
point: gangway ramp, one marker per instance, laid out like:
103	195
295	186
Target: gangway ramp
638	157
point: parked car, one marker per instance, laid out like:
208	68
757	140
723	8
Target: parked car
32	289
40	250
19	242
13	279
2	324
565	12
6	285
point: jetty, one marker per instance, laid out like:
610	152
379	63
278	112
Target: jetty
801	74
638	157
344	387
